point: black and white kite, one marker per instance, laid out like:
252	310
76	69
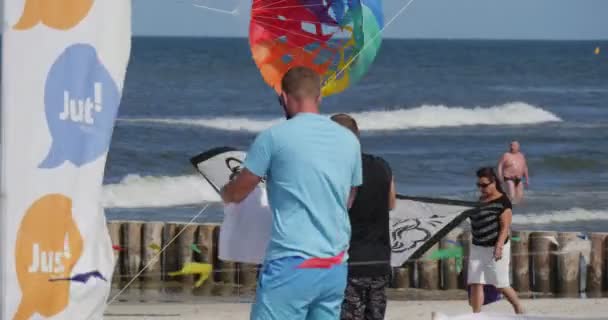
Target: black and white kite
416	224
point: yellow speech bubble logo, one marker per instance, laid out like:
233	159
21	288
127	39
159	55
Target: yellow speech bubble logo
48	246
58	14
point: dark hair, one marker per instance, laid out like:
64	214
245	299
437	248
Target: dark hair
488	172
346	121
301	82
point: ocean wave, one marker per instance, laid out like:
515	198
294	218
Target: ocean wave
560	216
573	163
135	191
426	116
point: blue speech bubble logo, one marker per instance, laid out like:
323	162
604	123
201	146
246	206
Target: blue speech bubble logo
81	101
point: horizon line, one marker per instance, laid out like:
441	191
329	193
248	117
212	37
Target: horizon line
389	38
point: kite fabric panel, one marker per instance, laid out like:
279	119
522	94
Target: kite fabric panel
339	39
416	224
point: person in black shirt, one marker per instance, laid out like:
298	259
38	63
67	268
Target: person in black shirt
491	248
370	248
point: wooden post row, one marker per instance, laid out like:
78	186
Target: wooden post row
542	261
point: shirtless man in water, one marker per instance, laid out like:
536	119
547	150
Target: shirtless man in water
512	168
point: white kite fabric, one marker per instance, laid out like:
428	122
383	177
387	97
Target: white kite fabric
63	69
245	231
491	316
415	225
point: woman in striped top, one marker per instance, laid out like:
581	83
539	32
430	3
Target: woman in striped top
491	248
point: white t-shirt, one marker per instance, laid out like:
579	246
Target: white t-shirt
245	231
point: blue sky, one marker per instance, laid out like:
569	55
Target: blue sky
487	19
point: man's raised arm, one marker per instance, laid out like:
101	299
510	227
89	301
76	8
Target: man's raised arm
240	187
351	197
256	166
501	163
526	172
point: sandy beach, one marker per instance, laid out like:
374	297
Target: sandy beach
397	310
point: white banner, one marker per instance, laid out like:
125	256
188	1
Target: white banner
63	68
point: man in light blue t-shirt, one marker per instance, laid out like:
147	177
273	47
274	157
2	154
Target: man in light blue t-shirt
312	166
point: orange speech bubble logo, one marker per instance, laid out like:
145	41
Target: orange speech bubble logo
48	246
58	14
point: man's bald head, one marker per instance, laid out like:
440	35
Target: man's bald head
346	121
301	83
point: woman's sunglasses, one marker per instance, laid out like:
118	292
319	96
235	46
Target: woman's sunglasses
483	185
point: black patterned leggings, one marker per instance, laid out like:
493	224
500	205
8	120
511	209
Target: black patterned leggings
365	298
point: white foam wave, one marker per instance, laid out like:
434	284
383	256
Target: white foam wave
426	116
135	191
220	123
516	113
561	216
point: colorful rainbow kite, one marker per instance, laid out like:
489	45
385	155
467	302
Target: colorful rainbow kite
339	39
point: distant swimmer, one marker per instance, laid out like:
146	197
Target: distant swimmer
512	169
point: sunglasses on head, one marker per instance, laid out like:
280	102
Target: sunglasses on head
484	185
284	106
281	101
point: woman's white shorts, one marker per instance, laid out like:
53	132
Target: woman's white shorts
483	269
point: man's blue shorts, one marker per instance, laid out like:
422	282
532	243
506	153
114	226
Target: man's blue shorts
286	292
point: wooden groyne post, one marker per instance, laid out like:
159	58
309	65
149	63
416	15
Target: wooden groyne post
568	261
465	240
152	237
542	247
596	272
428	271
449	268
401	277
520	262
